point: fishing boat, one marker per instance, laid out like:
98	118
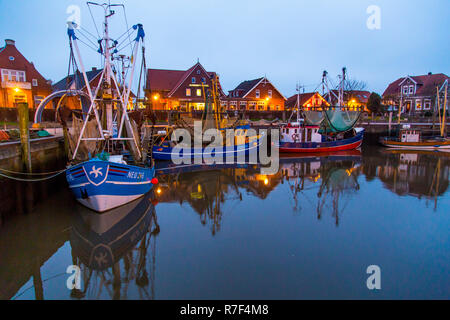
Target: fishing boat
330	128
414	139
242	144
108	167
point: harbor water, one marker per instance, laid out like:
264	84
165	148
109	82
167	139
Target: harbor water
229	232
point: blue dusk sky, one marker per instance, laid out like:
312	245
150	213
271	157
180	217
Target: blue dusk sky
289	41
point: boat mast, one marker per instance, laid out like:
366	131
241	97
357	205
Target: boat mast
298	102
108	93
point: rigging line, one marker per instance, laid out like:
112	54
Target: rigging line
89	40
87	31
126	23
31	174
93	20
87	45
31	180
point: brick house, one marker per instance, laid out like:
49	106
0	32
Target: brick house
414	94
181	90
20	81
307	100
258	94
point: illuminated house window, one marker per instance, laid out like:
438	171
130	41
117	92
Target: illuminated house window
193	80
13	75
418	104
34	82
188	92
405	89
269	93
199	92
257	93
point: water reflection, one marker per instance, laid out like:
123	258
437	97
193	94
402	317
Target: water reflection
335	176
117	253
116	250
413	173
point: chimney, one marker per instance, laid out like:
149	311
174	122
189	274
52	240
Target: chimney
430	73
94	68
10	42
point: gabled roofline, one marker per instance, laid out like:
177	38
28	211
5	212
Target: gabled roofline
185	77
259	83
407	77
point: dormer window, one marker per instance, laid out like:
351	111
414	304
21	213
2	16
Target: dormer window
237	94
257	93
405	89
411	89
34	82
193	80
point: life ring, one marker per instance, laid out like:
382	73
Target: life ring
295	136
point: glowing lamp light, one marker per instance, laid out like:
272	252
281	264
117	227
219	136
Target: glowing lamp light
154	181
16	89
266	181
155	97
267	99
158	191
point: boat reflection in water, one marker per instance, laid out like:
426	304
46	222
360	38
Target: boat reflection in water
334	175
412	173
113	250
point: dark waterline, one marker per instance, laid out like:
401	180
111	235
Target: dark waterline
310	231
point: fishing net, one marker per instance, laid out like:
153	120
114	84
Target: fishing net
313	118
340	120
86	147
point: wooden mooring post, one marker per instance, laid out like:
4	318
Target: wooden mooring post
23	120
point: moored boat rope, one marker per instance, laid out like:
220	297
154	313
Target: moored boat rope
32	180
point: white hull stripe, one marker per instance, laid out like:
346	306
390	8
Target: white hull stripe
112	182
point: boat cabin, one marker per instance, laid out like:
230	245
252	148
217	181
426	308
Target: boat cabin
409	135
298	132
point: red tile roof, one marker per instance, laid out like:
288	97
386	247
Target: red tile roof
426	84
20	63
167	80
304	97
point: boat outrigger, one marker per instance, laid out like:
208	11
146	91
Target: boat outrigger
329	128
108	167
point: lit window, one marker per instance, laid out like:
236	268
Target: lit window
13	75
257	93
188	92
418	104
405	89
193	80
199	92
269	93
34	82
21	76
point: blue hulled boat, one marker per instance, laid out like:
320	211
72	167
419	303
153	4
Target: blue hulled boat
104	185
121	171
